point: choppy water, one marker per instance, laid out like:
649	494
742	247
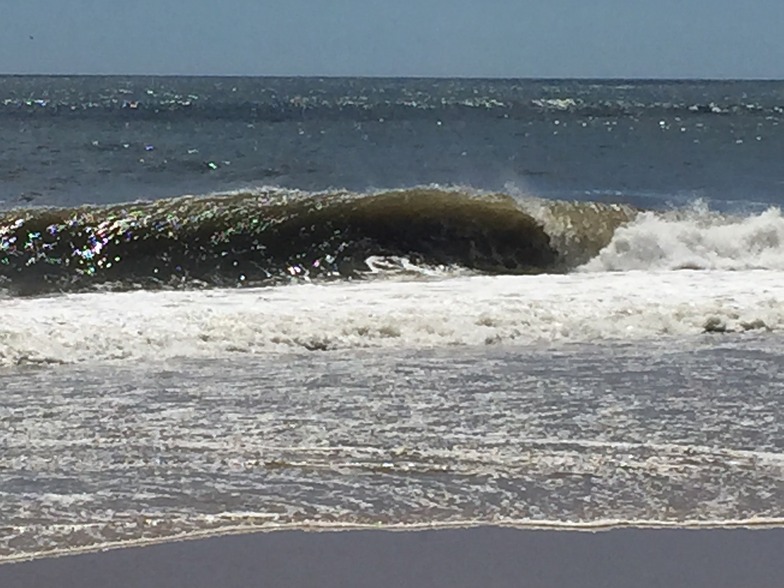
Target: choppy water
254	303
74	140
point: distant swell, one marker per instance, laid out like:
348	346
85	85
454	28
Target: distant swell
173	106
265	237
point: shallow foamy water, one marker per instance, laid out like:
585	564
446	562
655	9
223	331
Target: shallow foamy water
683	430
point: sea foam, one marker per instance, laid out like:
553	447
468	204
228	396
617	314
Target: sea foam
425	313
695	240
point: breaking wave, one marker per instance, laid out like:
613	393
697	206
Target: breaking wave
275	236
583	253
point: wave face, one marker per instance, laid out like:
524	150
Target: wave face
265	237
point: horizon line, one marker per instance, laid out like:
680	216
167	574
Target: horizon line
402	77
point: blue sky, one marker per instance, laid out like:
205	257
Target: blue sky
488	38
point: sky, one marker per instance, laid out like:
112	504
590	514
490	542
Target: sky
443	38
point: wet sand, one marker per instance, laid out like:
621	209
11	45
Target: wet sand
455	558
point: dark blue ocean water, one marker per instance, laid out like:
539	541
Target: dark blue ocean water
70	140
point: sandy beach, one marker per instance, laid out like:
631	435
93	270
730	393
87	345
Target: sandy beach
485	556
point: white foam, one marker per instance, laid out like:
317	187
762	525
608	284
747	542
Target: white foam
474	310
698	240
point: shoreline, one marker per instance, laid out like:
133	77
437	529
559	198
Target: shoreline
600	526
466	556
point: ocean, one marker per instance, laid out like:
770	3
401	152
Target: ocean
234	304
